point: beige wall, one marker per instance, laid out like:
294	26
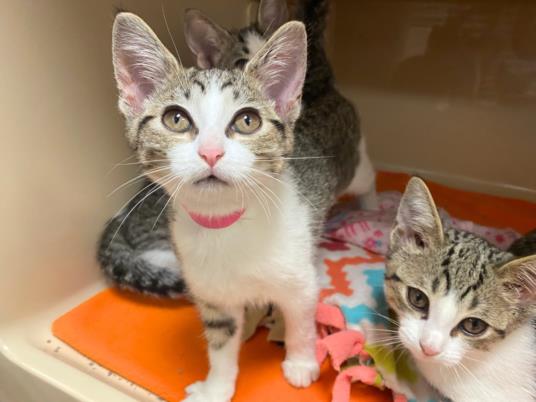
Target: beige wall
449	115
61	134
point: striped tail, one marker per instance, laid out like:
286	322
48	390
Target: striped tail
137	256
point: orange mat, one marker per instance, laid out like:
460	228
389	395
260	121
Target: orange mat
487	210
158	344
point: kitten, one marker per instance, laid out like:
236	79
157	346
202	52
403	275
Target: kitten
215	46
245	212
141	256
465	308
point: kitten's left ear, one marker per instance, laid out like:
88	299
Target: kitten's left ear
280	67
519	276
417	221
272	14
141	62
206	39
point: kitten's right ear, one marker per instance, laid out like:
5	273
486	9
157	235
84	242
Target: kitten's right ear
417	221
141	62
280	66
206	39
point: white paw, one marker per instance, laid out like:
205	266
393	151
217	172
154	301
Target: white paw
195	387
202	391
301	373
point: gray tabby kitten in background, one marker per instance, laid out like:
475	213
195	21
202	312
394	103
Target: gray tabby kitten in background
465	308
245	214
141	256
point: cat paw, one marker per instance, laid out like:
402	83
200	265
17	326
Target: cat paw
301	373
196	387
201	391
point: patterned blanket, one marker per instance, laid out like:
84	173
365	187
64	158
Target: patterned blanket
353	317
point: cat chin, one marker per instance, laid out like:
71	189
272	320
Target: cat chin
202	202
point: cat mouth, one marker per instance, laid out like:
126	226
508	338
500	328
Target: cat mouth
210	180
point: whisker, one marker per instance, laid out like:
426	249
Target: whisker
151	184
179	185
285	184
483	388
401	352
181	79
293	158
392	331
141	163
119	164
240	188
260	186
133	180
247	182
157	186
392	321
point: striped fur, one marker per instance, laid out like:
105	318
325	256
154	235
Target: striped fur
129	245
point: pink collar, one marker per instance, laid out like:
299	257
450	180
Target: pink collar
214	221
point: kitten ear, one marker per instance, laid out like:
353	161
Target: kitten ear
141	62
519	277
280	67
417	220
206	39
271	15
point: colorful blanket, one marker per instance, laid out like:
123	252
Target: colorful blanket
157	344
353	316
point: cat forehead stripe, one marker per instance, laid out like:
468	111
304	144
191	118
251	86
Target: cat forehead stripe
226	84
200	85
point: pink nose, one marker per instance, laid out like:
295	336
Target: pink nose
429	351
211	155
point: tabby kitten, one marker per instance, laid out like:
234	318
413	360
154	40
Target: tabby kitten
215	46
141	256
245	215
465	308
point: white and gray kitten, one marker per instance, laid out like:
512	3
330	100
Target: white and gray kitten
465	308
135	249
244	214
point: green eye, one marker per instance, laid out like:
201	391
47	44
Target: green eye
473	326
246	122
418	299
177	120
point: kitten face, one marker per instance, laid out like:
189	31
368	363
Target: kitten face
455	294
211	133
447	297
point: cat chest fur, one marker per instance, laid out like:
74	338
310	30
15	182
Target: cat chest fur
253	260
